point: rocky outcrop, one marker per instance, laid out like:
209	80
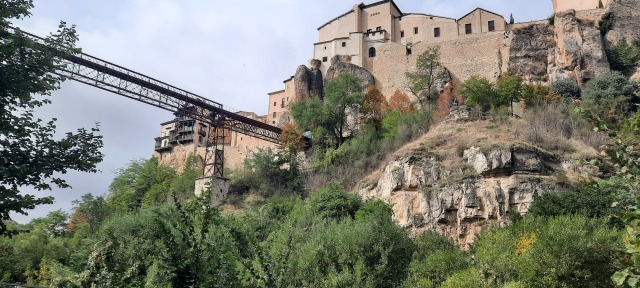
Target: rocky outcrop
426	193
530	49
342	64
580	50
308	81
626	25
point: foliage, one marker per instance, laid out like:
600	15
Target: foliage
478	91
508	89
566	88
563	251
471	278
89	211
610	96
606	23
592	199
535	95
447	99
291	138
435	258
373	107
511	20
342	97
32	156
624	57
428	74
600	5
140	182
399	101
334	202
269	172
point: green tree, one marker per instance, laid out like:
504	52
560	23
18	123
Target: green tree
509	90
89	210
342	97
566	88
479	92
511	20
269	172
31	154
428	74
600	5
435	258
624	57
610	97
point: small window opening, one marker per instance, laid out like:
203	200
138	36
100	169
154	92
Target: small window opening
408	50
344	44
401	33
372	52
415	30
274	114
274	104
492	26
324	59
467	29
436	32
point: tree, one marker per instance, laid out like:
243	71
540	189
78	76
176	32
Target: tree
624	57
600	5
509	90
478	91
89	210
429	73
611	96
373	107
334	114
31	154
399	101
511	20
566	88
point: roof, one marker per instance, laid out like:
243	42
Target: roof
274	92
168	122
362	6
485	10
427	15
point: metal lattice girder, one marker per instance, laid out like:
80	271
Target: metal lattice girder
122	81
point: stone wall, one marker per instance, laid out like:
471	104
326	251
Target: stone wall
468	55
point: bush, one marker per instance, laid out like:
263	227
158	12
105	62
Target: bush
566	88
624	57
611	97
478	91
334	202
564	251
470	278
435	258
606	23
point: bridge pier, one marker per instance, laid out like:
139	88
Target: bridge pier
218	186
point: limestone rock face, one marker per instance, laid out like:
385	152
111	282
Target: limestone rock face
626	25
580	50
342	64
530	50
308	81
459	202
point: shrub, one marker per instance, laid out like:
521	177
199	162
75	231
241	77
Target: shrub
566	88
590	199
435	258
268	172
334	202
478	91
564	251
471	278
606	23
610	96
624	57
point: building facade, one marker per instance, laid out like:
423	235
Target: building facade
578	5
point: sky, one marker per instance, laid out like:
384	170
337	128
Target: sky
232	52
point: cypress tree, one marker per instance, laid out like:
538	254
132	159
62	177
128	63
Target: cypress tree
511	21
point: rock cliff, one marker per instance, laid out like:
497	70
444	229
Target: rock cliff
342	64
308	81
457	194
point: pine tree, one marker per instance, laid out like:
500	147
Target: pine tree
600	5
511	20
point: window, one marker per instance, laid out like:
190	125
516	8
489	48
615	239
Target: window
344	44
415	30
436	32
467	28
372	52
402	33
379	28
324	59
492	25
165	143
408	50
325	47
273	122
274	114
274	103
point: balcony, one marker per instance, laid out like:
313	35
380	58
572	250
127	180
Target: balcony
184	129
202	131
377	36
162	144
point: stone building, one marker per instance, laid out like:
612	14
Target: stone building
578	5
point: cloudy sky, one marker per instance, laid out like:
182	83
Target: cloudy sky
233	52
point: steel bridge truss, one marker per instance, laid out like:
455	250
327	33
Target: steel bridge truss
107	76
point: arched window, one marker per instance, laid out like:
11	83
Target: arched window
372	52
